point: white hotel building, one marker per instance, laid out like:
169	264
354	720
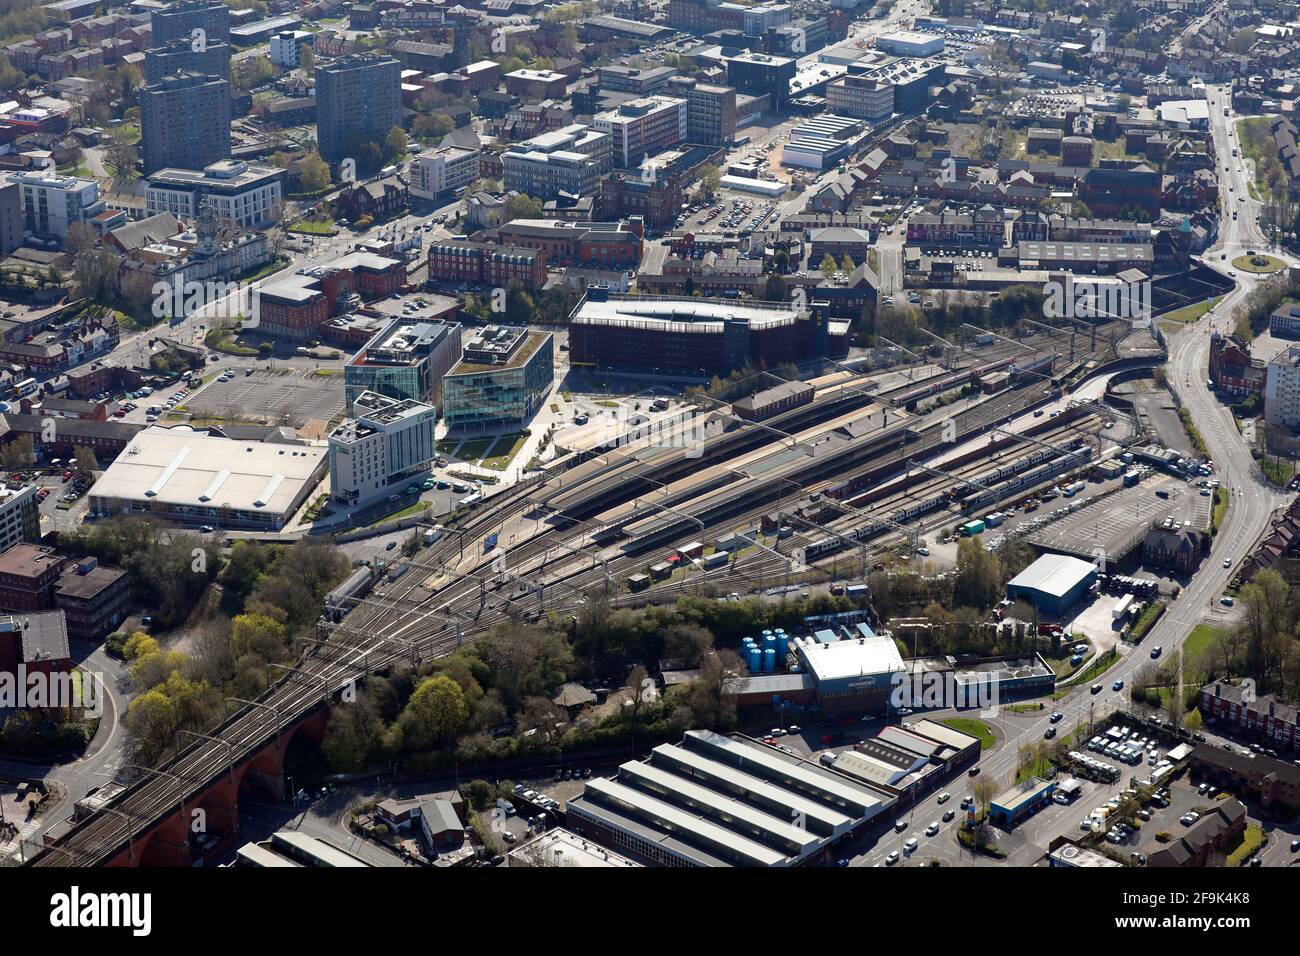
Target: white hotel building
643	127
390	442
240	192
440	172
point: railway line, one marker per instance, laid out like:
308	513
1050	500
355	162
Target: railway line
473	591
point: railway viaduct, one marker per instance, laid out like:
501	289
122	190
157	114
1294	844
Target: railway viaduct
214	809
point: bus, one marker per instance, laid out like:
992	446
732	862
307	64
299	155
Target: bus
25	387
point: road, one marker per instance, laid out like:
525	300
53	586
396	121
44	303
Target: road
1253	501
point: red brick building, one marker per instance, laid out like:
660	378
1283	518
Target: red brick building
37	642
600	244
1265	717
482	262
1231	366
28	575
293	310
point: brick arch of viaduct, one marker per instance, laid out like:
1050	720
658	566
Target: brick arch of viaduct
166	843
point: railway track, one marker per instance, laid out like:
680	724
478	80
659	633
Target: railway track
408	620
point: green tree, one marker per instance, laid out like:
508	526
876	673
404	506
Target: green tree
18	453
520	206
394	144
313	173
258	635
828	265
151	722
352	735
85	460
710	181
978	576
435	712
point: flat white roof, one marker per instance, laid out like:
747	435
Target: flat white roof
842	660
181	466
565	848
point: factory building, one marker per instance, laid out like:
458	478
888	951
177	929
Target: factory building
852	676
197	477
714	800
1053	583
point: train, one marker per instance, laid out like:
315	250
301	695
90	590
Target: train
821	549
1038	367
1027	462
1006	489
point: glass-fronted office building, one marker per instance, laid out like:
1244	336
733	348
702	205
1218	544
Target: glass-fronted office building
504	377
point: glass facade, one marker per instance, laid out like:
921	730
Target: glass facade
480	398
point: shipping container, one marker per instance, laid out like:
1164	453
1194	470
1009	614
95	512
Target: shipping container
857	592
730	543
994	519
1130	478
638	582
972	528
432	535
718	559
692	550
660	571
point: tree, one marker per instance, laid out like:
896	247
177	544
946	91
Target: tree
313	173
710	181
252	72
307	58
85	460
151	722
95	268
353	733
828	265
984	791
257	635
846	264
435	712
394	144
978	580
520	206
18	453
431	127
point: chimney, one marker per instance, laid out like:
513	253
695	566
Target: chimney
1218	690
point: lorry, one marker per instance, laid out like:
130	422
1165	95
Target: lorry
972	528
1121	608
1073	489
